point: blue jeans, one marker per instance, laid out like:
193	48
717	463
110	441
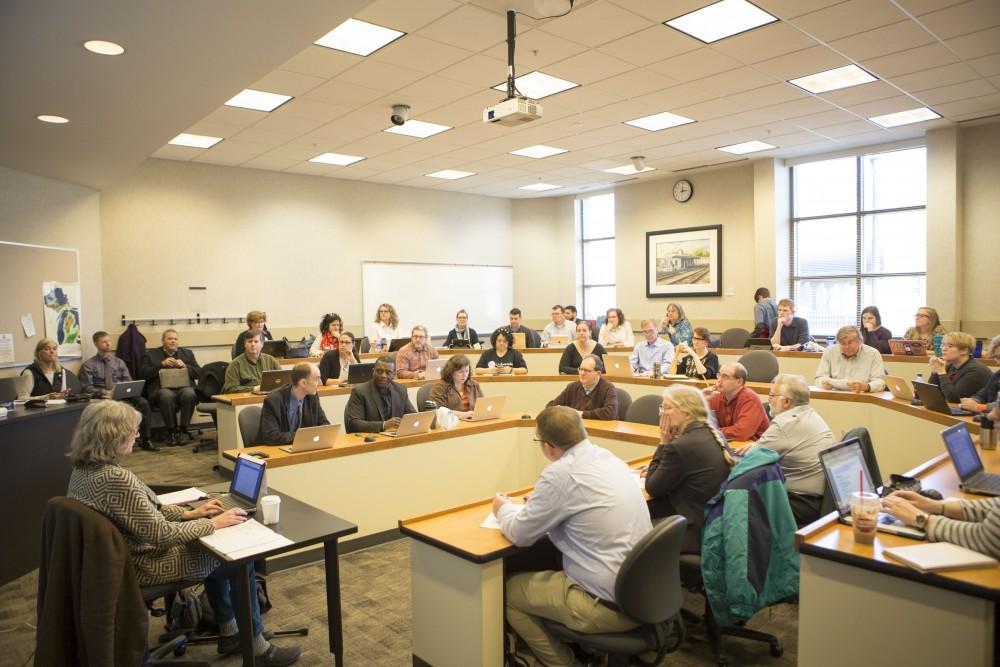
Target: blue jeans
220	586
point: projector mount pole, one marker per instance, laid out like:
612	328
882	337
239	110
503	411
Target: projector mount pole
511	33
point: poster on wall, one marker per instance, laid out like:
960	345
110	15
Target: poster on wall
684	262
62	316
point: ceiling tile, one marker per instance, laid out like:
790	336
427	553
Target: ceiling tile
958	91
650	45
824	119
290	124
768	95
321	61
673	98
535	50
695	65
312	168
301	107
268	137
845	97
479	71
380	76
468	27
913	60
764	43
287	82
987	65
342	92
974	45
881	41
787	9
918	7
331	133
847	129
963	19
270	163
584	98
849	18
421	54
886	106
588	67
935	77
595	24
709	109
600	137
210	129
221	158
170	152
405	15
806	106
635	83
234	116
794	139
288	153
657	10
734	81
437	88
800	63
245	148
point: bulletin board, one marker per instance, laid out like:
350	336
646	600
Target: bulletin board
23	269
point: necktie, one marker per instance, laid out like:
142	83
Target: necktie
109	376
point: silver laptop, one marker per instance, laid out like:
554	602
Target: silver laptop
413	423
899	387
558	341
271	380
434	366
617	365
968	465
487	408
310	438
124	390
842	465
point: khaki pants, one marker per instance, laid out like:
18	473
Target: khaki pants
532	596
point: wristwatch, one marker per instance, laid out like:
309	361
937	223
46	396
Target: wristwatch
921	520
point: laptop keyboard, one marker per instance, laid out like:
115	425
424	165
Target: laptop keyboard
230	502
987	483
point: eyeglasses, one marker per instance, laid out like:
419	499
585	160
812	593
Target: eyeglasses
698	338
383	310
663	410
773	395
922	315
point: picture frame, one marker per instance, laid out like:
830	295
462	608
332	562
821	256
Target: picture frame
684	262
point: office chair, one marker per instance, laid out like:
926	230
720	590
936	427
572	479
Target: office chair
868	450
249	423
624	403
761	365
648	590
734	338
210	383
423	395
645	410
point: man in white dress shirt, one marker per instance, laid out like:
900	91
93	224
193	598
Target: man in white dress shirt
857	367
559	326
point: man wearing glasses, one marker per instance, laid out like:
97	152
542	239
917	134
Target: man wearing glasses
411	360
798	434
850	364
592	396
590	507
737	409
654	350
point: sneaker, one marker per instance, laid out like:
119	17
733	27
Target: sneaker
231	644
277	656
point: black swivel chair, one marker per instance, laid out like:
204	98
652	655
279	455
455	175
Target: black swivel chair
423	395
213	376
249	423
648	590
645	410
734	338
624	403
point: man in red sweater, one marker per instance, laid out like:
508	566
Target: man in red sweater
739	412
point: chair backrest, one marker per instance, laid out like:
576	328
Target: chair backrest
761	365
644	410
868	449
734	338
624	402
362	345
249	421
423	394
648	585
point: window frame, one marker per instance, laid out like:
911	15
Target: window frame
582	242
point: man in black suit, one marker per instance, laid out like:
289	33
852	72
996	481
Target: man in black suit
291	406
171	355
377	405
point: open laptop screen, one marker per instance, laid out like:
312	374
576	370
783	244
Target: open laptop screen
843	463
247	478
962	451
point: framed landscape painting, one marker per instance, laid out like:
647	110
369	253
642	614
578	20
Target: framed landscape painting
684	262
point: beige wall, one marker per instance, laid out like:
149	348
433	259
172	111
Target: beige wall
980	190
44	211
544	257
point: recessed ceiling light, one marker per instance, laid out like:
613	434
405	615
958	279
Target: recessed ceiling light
56	120
537	85
720	20
745	147
417	128
540	187
104	48
450	174
336	158
904	117
833	79
194	140
539	151
659	121
628	170
258	100
358	37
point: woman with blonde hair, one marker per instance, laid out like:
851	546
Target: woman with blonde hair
691	463
456	390
956	371
162	539
385	328
47	377
926	325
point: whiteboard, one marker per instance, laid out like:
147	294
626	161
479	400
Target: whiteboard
431	294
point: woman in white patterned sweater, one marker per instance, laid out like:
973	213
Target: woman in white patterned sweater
162	539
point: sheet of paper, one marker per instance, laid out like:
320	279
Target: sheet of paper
245	539
6	348
839	385
637	476
491	520
187	495
28	324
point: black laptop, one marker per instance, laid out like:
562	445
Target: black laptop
759	344
276	348
360	373
933	399
244	490
968	465
397	343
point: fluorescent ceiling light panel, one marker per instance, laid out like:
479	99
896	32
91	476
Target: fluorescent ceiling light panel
258	100
904	117
194	140
537	85
336	158
833	79
540	187
358	37
104	48
720	20
539	151
628	170
417	128
746	147
659	121
450	174
55	120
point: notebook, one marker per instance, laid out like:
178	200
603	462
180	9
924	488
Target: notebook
842	464
124	390
309	438
899	387
414	423
487	408
968	465
933	399
434	366
617	365
940	557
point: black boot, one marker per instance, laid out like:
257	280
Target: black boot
147	444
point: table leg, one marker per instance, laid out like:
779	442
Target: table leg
334	619
244	614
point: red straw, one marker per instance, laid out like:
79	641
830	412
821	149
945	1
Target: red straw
861	482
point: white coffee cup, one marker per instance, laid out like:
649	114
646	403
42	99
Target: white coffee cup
270	506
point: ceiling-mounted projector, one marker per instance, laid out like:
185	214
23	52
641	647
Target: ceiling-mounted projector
513	111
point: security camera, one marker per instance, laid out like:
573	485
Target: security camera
400	114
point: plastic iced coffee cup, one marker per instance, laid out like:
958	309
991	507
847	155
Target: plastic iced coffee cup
864	516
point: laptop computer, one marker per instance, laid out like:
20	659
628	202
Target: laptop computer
617	365
968	465
906	346
124	390
556	341
309	438
245	487
396	343
276	348
842	464
414	423
487	408
933	399
899	387
360	373
759	344
433	370
271	380
520	340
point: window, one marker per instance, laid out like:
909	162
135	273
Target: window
859	238
595	224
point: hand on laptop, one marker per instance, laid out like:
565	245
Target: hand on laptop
228	518
906	505
391	424
207	510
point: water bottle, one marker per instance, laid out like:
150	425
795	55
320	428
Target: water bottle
987	434
657	372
